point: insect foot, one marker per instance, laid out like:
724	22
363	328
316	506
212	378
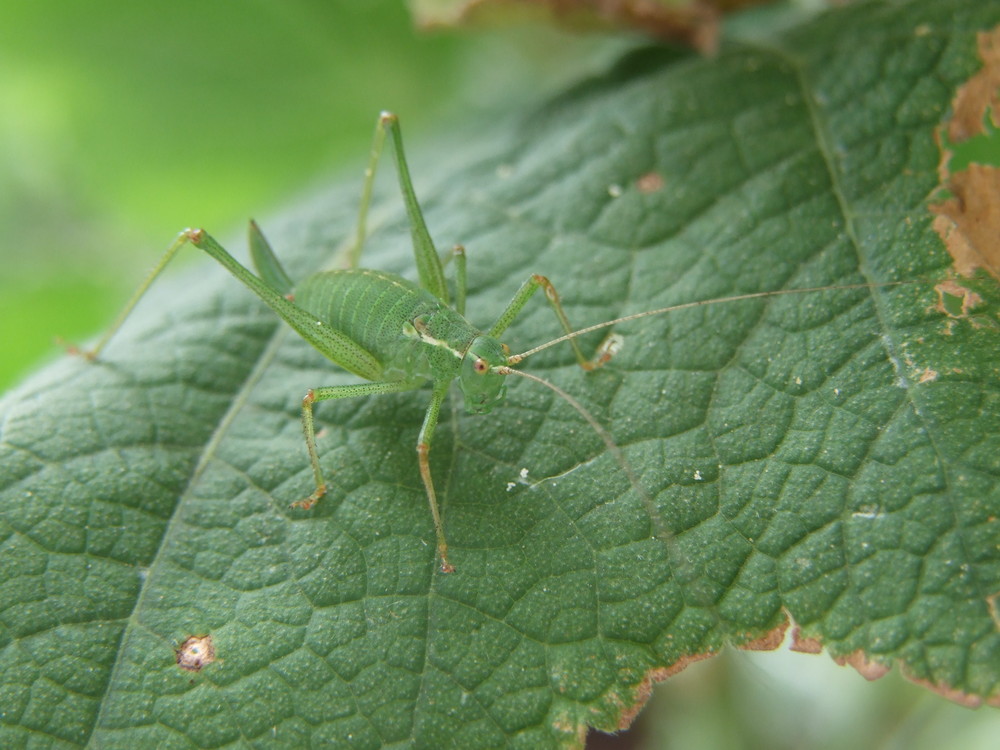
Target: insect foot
310	501
423	451
607	349
309	429
75	351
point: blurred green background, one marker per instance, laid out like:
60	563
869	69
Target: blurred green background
122	123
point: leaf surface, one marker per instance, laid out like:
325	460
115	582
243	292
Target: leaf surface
828	457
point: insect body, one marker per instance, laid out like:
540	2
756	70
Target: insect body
400	336
396	334
411	333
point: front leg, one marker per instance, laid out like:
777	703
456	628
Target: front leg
309	427
423	458
605	351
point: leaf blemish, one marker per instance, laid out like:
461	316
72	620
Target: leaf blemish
863	664
968	219
868	511
195	652
651	182
991	602
954	300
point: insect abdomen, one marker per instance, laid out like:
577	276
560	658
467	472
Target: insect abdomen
374	308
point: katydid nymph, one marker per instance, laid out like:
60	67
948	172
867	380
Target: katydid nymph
399	335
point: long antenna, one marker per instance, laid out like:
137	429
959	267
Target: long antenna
515	358
660	529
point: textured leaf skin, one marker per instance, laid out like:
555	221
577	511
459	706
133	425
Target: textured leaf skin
800	462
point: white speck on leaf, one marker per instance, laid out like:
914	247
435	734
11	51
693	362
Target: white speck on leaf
868	511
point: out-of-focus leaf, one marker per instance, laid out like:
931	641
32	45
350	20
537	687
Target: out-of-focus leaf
694	22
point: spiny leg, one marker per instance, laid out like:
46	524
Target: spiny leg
309	427
332	343
428	264
354	256
607	349
423	454
176	245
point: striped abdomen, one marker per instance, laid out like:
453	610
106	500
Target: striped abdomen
375	308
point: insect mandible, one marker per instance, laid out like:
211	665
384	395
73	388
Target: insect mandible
408	334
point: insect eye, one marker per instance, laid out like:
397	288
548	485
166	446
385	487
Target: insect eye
480	365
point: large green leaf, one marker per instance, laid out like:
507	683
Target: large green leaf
829	457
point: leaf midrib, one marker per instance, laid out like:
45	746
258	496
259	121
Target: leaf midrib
240	399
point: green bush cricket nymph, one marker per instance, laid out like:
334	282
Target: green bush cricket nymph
400	336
